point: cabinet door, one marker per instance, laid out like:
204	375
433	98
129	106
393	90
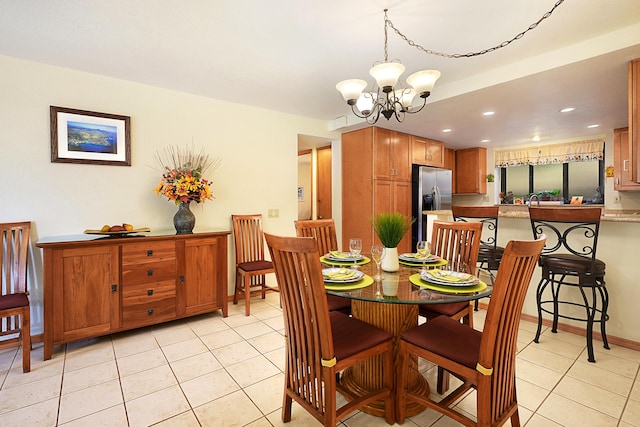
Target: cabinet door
86	294
202	286
435	153
634	118
471	171
621	162
383	141
450	163
389	197
401	155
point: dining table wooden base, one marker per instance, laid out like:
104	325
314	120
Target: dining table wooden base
395	318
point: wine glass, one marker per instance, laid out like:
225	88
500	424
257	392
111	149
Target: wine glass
423	250
377	253
355	247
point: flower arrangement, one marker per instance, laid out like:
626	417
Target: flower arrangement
182	175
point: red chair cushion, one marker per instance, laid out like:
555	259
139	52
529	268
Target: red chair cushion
447	338
255	265
13	301
339	303
446	309
352	336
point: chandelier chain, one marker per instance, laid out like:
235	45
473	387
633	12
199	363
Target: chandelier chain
505	43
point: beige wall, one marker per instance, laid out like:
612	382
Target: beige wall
258	149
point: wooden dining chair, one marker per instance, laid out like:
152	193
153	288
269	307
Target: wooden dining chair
459	244
324	232
14	296
251	264
486	360
320	343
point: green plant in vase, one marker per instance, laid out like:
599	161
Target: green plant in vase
390	229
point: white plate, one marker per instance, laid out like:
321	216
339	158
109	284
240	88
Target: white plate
409	257
343	256
350	276
440	277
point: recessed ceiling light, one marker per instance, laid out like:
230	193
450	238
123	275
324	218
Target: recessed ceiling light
446	130
535	138
567	110
593	126
488	113
484	141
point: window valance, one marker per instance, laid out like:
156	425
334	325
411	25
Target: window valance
576	151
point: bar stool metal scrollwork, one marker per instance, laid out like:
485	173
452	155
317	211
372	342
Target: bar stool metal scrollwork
569	259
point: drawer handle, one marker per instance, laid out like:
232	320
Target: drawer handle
149	253
149	273
150	312
150	292
114	288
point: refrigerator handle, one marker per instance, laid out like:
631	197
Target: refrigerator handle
436	198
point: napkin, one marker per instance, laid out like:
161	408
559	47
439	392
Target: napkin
338	254
450	276
339	274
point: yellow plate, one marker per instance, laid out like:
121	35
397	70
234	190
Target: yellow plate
416	280
366	281
327	261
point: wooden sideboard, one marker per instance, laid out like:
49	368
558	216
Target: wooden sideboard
98	286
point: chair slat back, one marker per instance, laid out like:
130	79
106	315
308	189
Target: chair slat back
458	243
487	215
14	247
248	237
307	327
14	238
500	332
323	230
568	230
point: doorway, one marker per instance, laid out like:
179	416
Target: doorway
315	180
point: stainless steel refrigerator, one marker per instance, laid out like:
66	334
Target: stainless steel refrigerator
431	188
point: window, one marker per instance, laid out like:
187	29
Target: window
554	171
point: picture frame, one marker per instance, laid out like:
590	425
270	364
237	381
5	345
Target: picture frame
89	137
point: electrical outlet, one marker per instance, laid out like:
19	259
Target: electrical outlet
485	198
616	198
274	213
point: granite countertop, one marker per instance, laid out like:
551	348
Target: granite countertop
521	211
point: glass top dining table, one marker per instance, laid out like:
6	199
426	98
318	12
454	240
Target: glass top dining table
399	287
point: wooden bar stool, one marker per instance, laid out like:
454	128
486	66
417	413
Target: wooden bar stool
569	260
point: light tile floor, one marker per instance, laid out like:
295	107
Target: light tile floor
215	371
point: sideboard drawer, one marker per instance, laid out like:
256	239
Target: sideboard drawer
147	314
146	252
148	272
144	293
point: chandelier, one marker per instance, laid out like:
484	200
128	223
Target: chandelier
388	99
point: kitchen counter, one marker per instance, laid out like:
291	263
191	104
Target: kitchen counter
521	211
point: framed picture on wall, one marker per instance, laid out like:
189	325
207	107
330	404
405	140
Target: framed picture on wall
79	136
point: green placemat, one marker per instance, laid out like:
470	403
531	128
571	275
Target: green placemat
366	281
327	261
416	280
439	263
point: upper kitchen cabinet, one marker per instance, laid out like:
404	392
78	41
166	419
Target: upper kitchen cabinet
471	171
621	162
391	155
427	152
450	163
634	118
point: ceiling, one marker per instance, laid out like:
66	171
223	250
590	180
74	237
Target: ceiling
287	55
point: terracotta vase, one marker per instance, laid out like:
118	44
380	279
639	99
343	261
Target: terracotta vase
184	220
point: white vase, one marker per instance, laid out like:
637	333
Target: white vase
390	261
